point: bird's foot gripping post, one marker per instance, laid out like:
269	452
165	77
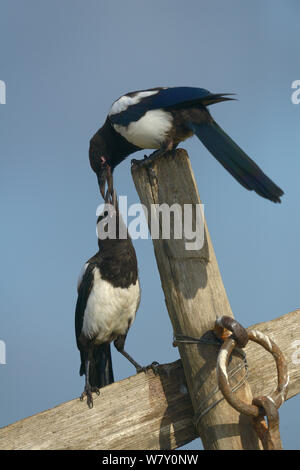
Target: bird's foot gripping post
88	393
149	159
119	345
154	366
195	298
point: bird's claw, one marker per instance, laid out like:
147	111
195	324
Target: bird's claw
147	160
136	163
89	398
88	391
154	366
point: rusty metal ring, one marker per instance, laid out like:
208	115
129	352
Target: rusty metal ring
277	397
225	325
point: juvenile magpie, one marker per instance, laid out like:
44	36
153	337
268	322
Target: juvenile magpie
160	118
108	298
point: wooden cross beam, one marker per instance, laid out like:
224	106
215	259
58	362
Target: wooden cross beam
148	411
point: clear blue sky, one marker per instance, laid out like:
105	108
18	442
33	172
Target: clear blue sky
64	63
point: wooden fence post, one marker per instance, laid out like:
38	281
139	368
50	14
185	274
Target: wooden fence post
195	297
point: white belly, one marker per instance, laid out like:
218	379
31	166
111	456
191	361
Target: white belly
109	310
149	132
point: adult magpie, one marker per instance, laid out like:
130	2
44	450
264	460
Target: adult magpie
108	298
160	118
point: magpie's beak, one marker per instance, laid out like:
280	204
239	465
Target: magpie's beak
105	177
111	198
102	177
114	199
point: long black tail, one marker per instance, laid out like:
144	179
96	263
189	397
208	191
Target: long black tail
100	369
235	160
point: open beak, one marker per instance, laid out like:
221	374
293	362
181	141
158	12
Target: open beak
114	200
105	177
102	177
111	198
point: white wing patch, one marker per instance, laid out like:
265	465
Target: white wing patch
150	131
125	101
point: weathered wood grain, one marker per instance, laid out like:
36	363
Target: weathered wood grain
195	297
148	411
135	413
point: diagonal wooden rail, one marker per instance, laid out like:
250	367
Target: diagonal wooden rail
148	411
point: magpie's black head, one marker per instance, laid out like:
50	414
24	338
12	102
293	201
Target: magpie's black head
107	149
